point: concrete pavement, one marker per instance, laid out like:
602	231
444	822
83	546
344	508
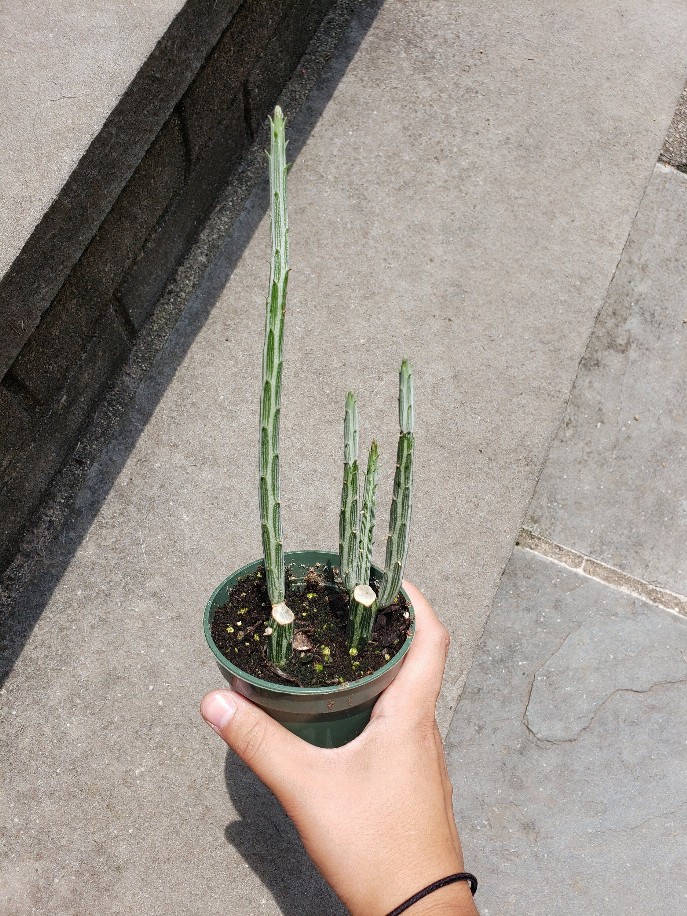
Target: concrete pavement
463	198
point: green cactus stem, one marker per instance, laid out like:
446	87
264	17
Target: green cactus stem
280	643
361	616
401	503
348	518
405	398
279	647
367	517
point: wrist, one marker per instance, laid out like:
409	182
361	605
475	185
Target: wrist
452	900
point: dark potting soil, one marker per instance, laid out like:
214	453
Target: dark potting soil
320	605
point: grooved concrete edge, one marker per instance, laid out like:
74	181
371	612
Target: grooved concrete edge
602	572
674	150
70	222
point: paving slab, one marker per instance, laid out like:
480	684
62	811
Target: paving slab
613	487
462	199
567	750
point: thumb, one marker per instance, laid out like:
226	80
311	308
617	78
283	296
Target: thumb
415	689
275	755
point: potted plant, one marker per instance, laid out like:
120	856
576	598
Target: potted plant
314	637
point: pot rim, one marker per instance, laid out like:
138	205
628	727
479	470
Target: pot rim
271	686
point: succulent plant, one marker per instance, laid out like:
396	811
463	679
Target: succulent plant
356	523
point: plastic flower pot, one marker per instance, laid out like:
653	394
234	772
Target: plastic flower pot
324	716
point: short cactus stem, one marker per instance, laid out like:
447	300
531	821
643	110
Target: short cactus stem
348	519
405	398
279	647
361	616
367	518
399	522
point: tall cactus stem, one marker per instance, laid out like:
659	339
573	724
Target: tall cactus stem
270	400
348	518
361	616
367	517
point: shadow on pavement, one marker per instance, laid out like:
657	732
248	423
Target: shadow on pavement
270	845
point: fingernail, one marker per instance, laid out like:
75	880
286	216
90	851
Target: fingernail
218	709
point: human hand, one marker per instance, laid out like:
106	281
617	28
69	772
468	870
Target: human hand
375	815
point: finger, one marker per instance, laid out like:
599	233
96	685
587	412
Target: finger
416	687
275	755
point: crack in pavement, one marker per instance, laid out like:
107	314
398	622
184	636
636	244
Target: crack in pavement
618	690
536	674
629	827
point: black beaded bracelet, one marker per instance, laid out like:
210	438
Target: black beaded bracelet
451	879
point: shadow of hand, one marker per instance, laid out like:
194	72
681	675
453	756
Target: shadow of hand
269	844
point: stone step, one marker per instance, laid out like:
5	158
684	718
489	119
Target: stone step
115	150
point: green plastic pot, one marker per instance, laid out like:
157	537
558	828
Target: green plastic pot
324	716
